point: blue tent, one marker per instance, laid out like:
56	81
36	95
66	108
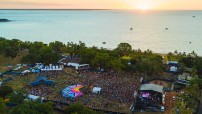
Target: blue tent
10	72
42	80
173	63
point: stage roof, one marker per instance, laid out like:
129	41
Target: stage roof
152	87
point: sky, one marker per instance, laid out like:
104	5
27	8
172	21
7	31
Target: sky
103	4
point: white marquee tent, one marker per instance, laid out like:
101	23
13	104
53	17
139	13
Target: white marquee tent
97	90
152	87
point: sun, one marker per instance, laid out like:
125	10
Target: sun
143	7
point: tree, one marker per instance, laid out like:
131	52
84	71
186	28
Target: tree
101	60
186	102
198	66
75	49
10	52
57	46
2	107
188	61
124	49
197	81
18	97
87	55
10	48
5	90
181	107
44	54
78	109
193	73
48	55
147	63
115	64
193	91
31	107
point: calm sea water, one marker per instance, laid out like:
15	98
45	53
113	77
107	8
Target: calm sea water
111	26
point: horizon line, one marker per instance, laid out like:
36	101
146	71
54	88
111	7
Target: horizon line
103	9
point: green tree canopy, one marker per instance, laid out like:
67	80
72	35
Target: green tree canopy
78	109
124	49
17	97
33	108
57	46
197	81
2	106
101	60
5	90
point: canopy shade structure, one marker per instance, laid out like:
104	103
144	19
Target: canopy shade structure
34	97
10	72
25	71
42	80
173	69
78	66
51	68
97	90
173	63
72	91
151	87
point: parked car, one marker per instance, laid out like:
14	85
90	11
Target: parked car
162	108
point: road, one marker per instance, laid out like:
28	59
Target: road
169	103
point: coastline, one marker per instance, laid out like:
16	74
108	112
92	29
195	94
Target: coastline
4	20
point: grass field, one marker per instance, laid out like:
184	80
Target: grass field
7	60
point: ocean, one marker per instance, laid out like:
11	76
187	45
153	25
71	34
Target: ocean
142	29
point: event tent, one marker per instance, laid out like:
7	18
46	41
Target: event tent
173	63
173	69
51	68
72	91
42	80
152	87
78	66
25	71
10	72
34	98
97	90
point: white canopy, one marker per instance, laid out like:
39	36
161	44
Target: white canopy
97	90
33	97
25	71
77	65
51	69
152	87
173	69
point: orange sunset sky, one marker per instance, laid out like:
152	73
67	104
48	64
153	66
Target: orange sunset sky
103	4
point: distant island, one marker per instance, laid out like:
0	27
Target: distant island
4	20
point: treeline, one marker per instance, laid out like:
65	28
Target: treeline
121	58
